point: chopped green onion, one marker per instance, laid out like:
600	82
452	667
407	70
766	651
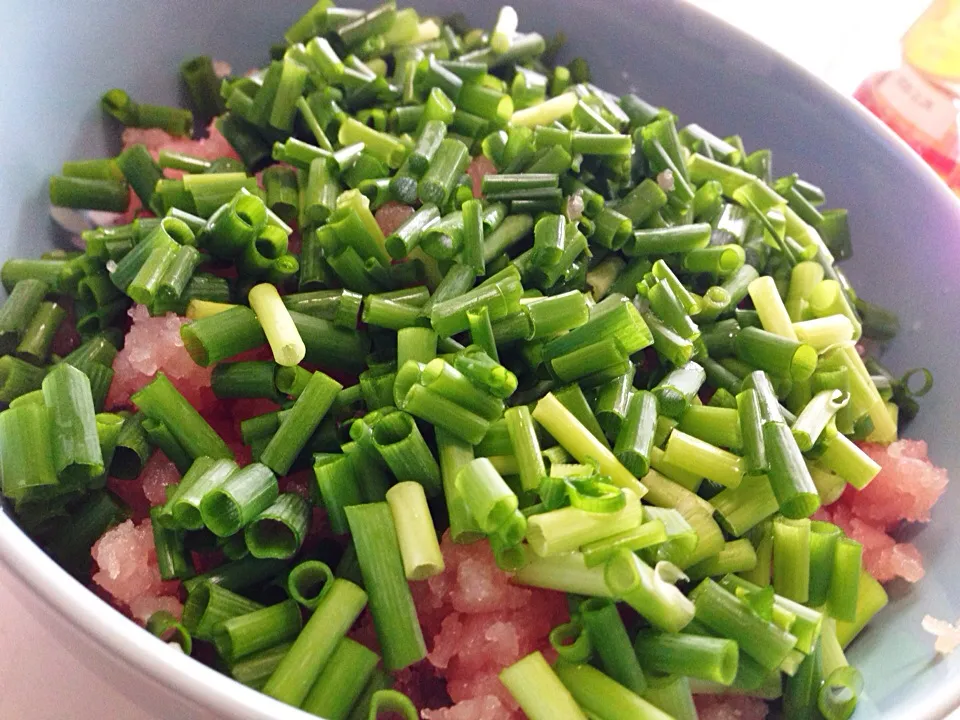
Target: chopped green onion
342	680
649	590
378	553
299	669
280	529
234	503
244	635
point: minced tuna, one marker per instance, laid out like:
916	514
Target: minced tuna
904	490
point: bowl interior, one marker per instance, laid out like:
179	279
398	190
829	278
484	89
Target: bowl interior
58	59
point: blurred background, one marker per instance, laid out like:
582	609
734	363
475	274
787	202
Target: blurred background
900	58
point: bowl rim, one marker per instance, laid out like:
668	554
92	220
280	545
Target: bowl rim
110	631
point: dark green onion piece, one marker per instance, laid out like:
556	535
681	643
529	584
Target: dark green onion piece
209	605
18	310
223	335
234	503
37	338
634	441
296	674
789	476
279	531
398	440
339	487
610	641
248	379
162	401
378	553
728	615
309	582
26	452
707	658
166	627
342	681
305	417
243	635
76	447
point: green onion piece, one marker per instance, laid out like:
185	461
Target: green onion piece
485	371
405	238
716	425
538	690
305	417
490	500
76	447
843	597
736	556
454	455
789	476
838	696
18	310
234	503
566	529
742	508
204	475
342	680
728	615
26	452
566	573
378	553
580	443
501	298
703	459
415	531
309	582
85	193
571	642
441	412
871	599
611	643
248	379
166	627
815	416
445	168
649	590
244	635
602	696
441	377
171	560
801	690
161	401
328	345
776	355
279	530
645	535
677	389
846	459
18	378
526	446
337	482
208	606
823	544
707	658
398	440
223	335
37	338
278	326
299	669
791	558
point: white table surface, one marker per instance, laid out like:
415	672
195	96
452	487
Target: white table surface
39	680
